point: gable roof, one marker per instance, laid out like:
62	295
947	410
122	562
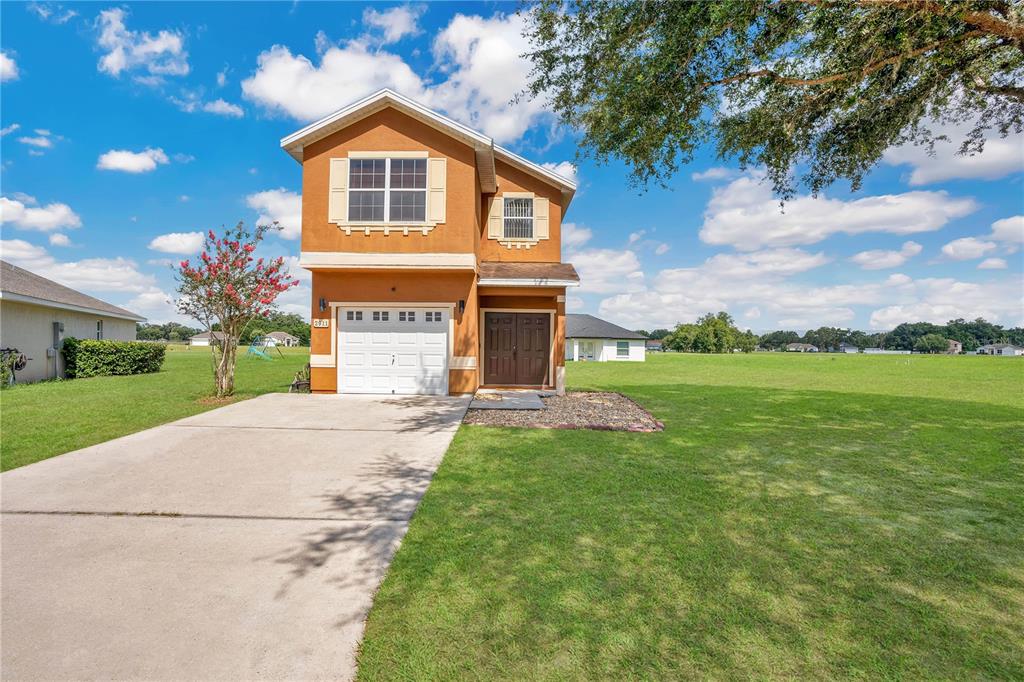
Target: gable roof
282	336
18	284
580	326
207	335
486	150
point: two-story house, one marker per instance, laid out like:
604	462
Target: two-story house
436	255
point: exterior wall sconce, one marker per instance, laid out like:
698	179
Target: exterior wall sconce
462	306
323	304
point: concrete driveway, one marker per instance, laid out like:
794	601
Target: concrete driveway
242	543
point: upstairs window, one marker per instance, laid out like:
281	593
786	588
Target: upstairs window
518	218
387	190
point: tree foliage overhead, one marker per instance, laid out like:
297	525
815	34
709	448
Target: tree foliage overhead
812	90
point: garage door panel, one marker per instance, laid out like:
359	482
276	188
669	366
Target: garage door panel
407	354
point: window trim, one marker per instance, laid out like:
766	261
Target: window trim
386	190
618	350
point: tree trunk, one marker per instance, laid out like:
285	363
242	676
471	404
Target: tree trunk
225	371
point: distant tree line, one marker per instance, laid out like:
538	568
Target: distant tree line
276	322
717	333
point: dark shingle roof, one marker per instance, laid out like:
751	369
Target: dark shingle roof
503	270
21	282
580	326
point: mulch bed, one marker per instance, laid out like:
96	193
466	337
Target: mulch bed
574	410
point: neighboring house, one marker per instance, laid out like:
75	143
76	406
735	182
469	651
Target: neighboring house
37	314
848	348
204	338
436	255
883	351
591	338
1005	349
654	345
283	339
801	348
954	347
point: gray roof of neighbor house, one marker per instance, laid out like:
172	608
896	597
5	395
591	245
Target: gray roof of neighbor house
580	326
206	335
18	284
282	335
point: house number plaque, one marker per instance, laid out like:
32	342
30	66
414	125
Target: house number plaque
321	322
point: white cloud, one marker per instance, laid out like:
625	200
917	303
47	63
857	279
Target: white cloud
222	77
746	215
48	12
184	243
714	173
157	55
58	239
881	259
1009	231
967	248
564	168
281	206
8	68
938	300
575	236
1000	157
223	108
7	130
634	237
479	58
752	313
394	24
88	274
661	249
23	212
292	85
132	162
40	141
184	198
992	264
608	270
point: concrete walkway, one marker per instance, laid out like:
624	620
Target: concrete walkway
243	543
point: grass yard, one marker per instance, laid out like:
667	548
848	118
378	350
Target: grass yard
812	516
41	420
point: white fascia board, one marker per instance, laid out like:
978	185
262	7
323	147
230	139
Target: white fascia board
314	260
21	298
505	282
294	143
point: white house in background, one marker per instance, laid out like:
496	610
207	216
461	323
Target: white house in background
283	339
204	338
1005	349
590	338
801	348
37	314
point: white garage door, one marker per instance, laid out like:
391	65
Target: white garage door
393	350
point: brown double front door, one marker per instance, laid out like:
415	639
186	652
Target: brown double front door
517	348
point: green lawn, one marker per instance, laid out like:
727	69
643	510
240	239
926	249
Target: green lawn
41	420
801	516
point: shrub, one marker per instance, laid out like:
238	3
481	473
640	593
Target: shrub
91	358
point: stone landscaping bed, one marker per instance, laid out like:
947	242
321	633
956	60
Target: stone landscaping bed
574	410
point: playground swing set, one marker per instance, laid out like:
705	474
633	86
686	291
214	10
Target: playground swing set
261	348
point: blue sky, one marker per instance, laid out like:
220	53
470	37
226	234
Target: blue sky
130	128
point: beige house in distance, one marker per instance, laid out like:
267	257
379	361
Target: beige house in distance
37	314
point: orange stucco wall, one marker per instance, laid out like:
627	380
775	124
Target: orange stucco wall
544	251
390	130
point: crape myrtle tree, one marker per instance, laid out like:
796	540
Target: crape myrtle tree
810	90
227	288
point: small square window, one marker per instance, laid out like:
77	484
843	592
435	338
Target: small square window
622	349
359	315
401	316
376	316
350	315
411	315
383	316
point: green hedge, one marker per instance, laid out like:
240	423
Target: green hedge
91	358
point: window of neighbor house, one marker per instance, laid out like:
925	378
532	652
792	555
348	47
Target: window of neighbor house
99	330
518	218
387	190
622	349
